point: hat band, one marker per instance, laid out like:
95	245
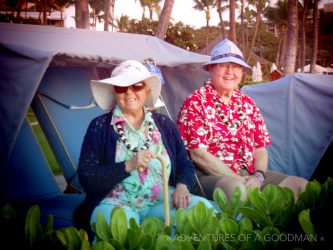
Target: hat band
226	55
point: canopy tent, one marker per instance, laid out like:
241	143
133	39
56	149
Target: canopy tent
298	110
31	48
50	68
257	73
318	69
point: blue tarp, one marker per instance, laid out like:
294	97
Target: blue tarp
298	110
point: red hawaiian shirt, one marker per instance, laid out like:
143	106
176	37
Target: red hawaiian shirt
201	126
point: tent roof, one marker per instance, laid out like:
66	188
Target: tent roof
319	69
97	46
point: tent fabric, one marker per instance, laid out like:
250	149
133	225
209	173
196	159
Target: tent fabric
298	110
21	70
97	46
318	69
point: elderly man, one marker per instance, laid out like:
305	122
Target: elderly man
224	131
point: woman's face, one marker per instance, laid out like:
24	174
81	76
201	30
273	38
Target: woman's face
131	99
226	76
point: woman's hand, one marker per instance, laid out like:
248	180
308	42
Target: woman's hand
140	161
181	197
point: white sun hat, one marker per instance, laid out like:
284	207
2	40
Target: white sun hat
125	74
225	52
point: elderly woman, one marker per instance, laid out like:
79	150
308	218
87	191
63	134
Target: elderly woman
225	133
118	165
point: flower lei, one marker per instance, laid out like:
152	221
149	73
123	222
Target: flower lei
125	141
235	124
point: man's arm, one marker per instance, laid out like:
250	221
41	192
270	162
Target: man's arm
260	159
210	164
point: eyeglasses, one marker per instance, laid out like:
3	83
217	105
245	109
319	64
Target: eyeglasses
233	66
135	88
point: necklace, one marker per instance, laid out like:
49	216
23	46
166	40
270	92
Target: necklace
235	124
125	141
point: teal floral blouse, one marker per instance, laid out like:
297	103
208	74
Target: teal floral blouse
141	189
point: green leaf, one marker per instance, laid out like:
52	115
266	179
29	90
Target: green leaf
49	224
278	198
102	228
85	245
181	220
152	226
204	245
102	245
245	225
33	229
73	237
306	224
271	237
220	198
229	227
202	219
254	215
310	196
119	225
165	242
8	212
257	200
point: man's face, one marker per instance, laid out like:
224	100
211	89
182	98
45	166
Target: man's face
226	76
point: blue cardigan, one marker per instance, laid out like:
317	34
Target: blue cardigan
99	173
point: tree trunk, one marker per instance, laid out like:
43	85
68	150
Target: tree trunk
290	60
232	22
163	23
219	10
315	37
107	6
82	14
284	47
242	31
260	6
207	29
303	34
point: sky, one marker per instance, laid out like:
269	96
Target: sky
182	11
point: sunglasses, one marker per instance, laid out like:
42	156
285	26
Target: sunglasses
135	88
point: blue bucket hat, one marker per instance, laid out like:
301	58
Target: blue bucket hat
225	52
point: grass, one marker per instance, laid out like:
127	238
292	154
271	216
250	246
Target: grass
46	148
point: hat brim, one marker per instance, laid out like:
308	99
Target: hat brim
103	93
226	60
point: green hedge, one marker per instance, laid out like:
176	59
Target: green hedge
269	219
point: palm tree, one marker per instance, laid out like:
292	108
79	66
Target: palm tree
205	5
232	21
303	33
123	23
279	17
290	60
220	10
107	6
152	5
242	26
315	37
82	14
163	23
260	4
249	16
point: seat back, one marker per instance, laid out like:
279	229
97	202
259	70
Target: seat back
64	107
